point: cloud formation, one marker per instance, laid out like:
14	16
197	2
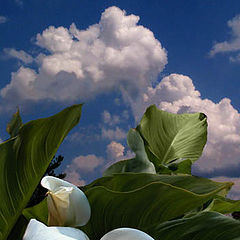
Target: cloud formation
110	119
114	54
3	19
118	54
233	45
177	94
115	150
20	55
19	3
74	177
88	164
113	133
82	164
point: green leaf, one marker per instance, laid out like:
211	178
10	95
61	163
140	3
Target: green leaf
19	228
25	158
140	200
204	226
139	164
169	137
15	124
39	212
224	205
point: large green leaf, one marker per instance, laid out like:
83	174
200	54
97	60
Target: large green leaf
204	226
19	228
15	124
224	205
39	212
132	181
140	163
25	158
140	200
170	137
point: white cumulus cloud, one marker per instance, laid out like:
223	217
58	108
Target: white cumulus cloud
114	54
74	177
115	150
176	93
86	163
82	164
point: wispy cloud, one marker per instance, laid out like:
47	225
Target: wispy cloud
20	55
19	2
3	19
113	119
233	44
113	133
110	119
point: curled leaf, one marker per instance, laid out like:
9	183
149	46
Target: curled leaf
139	164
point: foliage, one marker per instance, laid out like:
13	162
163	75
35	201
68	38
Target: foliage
25	158
153	192
40	192
38	195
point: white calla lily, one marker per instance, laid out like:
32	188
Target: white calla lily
38	231
126	234
67	204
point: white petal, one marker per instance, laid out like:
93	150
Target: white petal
38	231
67	204
126	234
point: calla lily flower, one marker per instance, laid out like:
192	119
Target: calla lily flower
126	234
39	231
67	204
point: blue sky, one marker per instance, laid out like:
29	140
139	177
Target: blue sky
119	57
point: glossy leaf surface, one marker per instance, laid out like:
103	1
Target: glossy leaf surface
25	158
204	226
139	200
169	137
139	164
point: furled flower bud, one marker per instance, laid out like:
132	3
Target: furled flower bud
67	204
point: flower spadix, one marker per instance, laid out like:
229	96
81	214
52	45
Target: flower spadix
126	234
38	231
67	204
